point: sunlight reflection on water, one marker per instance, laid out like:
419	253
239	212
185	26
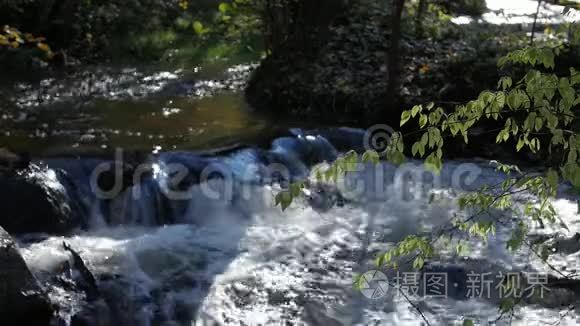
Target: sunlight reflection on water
520	12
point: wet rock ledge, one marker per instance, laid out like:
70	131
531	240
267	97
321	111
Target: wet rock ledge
27	204
22	299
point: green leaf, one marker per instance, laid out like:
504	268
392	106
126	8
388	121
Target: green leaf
396	157
224	7
552	178
462	249
198	27
566	91
284	199
548	58
498	102
318	175
379	261
539	123
517	238
485	97
416	110
502	61
574	77
423	119
505	83
295	189
351	161
371	156
434	137
405	116
416	148
400	145
506	305
418	263
433	163
468	322
425	139
514	100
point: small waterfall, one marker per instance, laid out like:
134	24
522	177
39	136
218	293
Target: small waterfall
196	238
162	190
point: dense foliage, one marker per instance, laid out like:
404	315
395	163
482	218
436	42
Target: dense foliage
97	31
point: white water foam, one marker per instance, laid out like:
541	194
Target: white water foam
261	266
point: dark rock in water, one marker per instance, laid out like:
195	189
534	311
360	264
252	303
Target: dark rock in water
77	297
309	149
118	176
90	179
478	279
88	281
322	197
345	138
21	297
26	207
567	245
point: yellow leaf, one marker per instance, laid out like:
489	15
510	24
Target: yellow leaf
12	32
44	47
14	44
424	69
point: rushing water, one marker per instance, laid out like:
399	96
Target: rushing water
236	259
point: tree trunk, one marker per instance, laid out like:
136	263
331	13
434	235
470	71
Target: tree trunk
422	7
300	22
44	14
298	31
394	56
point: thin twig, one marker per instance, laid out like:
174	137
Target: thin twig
413	305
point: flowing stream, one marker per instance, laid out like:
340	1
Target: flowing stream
212	248
226	255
